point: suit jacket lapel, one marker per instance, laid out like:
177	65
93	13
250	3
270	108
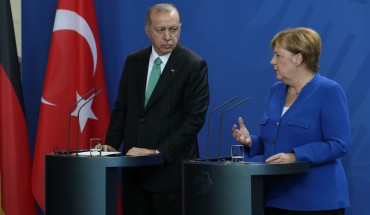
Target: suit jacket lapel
173	65
142	77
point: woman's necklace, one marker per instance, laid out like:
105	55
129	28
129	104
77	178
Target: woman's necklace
296	93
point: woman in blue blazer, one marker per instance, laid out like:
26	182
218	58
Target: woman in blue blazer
306	120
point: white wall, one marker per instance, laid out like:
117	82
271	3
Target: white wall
16	11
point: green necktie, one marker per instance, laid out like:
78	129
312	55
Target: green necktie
154	76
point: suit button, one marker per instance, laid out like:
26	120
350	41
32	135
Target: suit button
141	120
273	141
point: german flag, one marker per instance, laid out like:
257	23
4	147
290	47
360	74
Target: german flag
15	163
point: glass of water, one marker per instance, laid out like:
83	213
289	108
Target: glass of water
237	153
95	147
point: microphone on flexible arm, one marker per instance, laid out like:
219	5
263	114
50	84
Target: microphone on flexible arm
222	115
69	118
209	120
78	117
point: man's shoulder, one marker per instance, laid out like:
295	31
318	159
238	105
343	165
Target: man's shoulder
140	53
186	52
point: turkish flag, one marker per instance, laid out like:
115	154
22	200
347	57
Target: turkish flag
15	160
75	67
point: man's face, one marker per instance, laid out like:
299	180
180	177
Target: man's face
164	32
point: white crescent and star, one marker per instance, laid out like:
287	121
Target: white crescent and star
86	111
69	20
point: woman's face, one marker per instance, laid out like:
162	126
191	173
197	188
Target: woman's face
284	63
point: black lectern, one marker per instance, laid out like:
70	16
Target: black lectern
223	188
86	185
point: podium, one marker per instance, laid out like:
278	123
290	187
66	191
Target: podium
86	185
223	188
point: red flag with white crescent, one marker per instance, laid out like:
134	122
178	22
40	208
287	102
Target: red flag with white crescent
75	66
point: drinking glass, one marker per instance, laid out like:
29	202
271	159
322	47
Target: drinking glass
237	153
95	147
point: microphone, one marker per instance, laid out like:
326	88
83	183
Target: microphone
69	118
209	120
78	117
222	115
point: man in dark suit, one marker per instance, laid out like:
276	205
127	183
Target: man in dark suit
165	122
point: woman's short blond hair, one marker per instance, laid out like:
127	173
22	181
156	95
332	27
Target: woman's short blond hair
301	40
